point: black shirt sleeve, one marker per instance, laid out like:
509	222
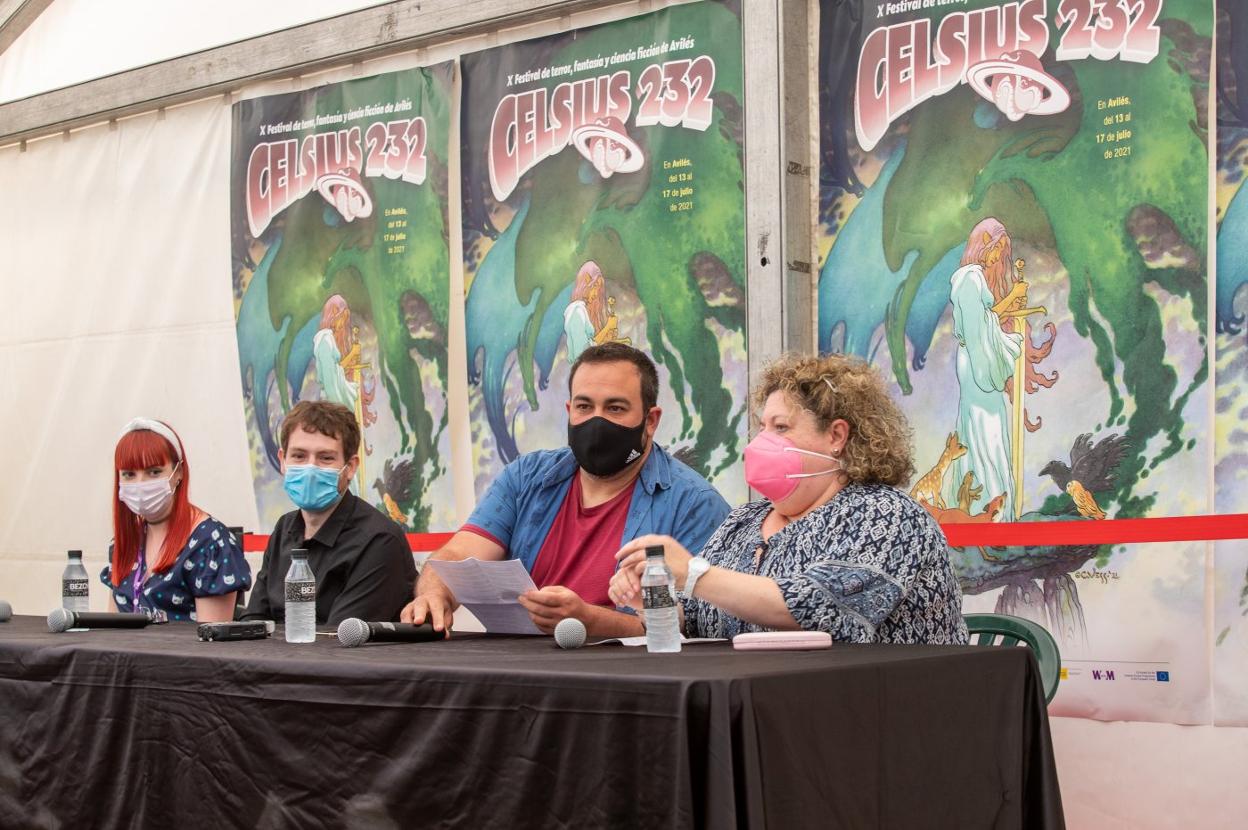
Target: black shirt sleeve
259	607
380	583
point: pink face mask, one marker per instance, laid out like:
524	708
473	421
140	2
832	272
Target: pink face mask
773	466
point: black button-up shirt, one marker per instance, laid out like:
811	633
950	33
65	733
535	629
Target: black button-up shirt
360	558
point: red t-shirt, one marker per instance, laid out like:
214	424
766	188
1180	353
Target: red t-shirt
579	551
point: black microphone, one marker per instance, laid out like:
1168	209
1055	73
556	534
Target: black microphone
62	619
353	632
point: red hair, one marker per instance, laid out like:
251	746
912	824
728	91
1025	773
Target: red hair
336	310
139	450
1000	275
590	286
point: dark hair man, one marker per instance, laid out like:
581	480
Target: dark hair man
564	513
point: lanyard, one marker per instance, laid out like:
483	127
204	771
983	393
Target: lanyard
140	568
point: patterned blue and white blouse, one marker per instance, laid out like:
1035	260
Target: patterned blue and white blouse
210	564
870	566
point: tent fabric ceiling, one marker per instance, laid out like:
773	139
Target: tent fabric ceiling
74	41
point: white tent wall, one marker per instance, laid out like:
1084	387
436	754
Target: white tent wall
116	273
116	254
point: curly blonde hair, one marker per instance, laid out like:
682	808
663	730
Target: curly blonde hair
843	387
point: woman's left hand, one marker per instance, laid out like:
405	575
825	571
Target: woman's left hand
625	588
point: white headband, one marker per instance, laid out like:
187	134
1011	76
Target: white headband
153	426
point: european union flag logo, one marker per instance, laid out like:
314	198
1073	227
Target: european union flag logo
1163	677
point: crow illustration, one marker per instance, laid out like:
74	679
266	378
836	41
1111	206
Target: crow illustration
1092	470
395	487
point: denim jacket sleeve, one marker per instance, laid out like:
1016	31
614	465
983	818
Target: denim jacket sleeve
499	508
698	516
673	500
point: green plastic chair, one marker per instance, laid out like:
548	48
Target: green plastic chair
1012	631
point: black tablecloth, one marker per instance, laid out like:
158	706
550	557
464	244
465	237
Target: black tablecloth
152	728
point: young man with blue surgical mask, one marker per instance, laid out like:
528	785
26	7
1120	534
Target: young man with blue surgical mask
361	560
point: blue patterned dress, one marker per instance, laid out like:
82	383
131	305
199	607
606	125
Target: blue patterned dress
870	566
210	564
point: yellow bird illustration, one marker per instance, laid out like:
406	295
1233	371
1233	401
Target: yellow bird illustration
1085	503
395	488
394	511
1093	469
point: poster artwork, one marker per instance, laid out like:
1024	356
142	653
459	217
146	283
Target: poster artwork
603	202
341	276
1013	219
1230	617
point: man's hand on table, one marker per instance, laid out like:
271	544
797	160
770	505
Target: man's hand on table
437	607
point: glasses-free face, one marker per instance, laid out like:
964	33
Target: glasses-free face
783	416
152	473
313	448
610	390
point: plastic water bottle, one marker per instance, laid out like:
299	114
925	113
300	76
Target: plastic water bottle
74	584
300	599
658	598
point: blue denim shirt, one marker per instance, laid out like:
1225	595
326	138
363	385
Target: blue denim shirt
520	506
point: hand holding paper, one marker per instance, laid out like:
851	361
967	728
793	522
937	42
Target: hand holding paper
490	590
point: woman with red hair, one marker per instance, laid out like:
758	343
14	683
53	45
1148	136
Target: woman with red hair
168	557
983	288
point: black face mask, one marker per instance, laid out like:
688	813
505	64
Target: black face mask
603	447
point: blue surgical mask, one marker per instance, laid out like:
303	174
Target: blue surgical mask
311	487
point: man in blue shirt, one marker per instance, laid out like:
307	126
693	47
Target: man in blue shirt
564	513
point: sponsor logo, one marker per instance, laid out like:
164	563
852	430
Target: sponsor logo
301	592
74	587
1102	674
1163	677
633	455
1064	674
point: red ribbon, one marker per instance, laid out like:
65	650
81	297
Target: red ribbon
1004	534
420	542
1093	532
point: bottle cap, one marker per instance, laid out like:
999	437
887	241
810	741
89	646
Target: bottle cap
75	554
299	553
654	550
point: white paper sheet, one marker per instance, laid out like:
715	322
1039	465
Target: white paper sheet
489	590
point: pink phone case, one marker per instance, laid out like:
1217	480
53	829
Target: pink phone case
782	641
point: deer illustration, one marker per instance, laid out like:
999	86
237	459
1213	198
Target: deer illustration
929	486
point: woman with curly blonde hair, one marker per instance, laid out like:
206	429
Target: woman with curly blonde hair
833	545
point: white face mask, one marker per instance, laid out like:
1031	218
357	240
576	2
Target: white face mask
147	499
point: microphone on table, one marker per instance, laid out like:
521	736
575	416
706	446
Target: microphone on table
62	619
570	633
6	611
354	632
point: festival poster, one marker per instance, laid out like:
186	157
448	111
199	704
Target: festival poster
341	269
603	201
1014	220
1230	652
